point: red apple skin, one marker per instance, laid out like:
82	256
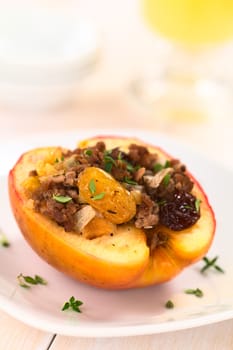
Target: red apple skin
94	262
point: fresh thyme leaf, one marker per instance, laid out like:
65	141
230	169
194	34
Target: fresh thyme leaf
75	306
40	280
109	159
167	164
91	186
62	199
72	304
162	202
108	162
129	181
187	207
218	268
66	306
108	167
157	167
4	241
107	152
29	279
137	167
197	204
169	304
24	285
72	300
61	160
205	259
98	196
197	292
166	179
211	263
92	189
120	156
130	167
88	152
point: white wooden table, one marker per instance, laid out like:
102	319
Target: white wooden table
103	102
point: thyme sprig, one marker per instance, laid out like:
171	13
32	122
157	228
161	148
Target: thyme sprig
197	292
211	263
25	281
72	304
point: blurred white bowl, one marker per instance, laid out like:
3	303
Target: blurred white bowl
44	54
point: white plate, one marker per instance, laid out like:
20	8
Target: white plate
118	313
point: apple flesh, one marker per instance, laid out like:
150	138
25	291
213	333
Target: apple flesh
121	261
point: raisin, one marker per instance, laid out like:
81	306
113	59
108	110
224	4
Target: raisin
178	211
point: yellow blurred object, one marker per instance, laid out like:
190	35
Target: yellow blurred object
191	22
184	114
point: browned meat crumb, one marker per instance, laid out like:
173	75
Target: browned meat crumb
141	155
147	214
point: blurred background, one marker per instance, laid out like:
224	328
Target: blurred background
162	65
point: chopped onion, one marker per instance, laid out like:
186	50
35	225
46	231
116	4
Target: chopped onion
84	216
155	181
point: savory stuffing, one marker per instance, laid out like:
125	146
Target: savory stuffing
162	192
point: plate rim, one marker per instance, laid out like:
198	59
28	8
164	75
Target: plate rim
108	332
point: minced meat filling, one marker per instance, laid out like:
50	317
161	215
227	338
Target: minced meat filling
165	189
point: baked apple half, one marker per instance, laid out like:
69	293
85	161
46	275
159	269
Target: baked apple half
114	213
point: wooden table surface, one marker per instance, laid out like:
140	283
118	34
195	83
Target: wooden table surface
103	101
